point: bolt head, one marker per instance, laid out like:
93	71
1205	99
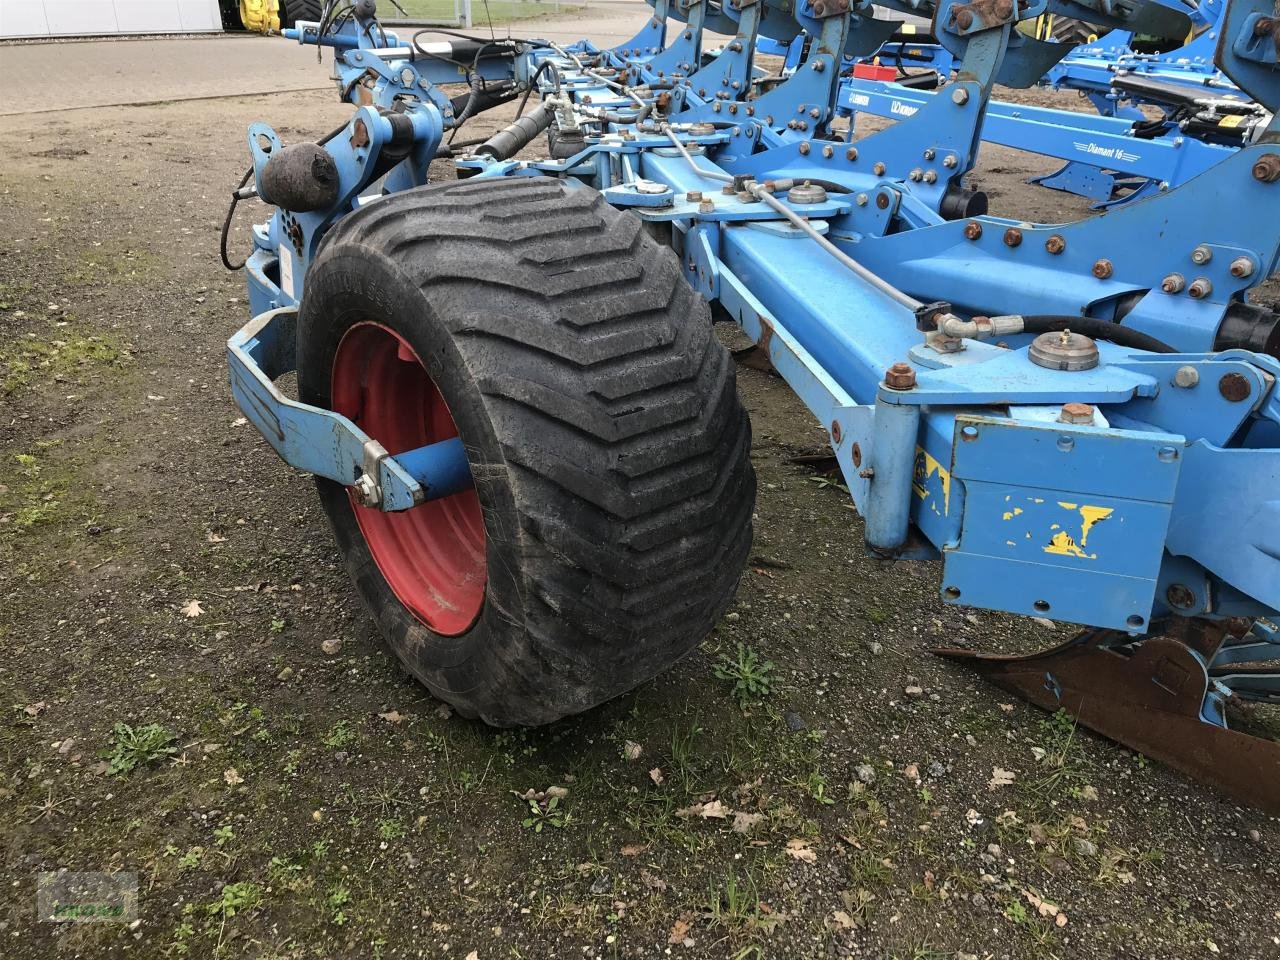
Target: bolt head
1234	387
1078	413
1186	377
972	230
1201	255
959	96
1173	283
1241	267
1012	237
851	153
878	169
900	376
1102	268
694	196
707	206
1055	244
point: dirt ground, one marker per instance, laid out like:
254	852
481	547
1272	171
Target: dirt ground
306	799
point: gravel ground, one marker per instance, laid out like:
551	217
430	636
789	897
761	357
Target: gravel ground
300	797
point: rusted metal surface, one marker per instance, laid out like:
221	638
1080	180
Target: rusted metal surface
1234	387
900	376
1148	699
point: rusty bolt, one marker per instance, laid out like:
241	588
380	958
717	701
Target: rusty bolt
964	18
836	432
828	151
857	455
1076	413
1201	255
878	168
694	196
972	230
851	153
1173	283
950	160
707	206
818	66
1055	244
1012	237
900	376
882	201
1004	9
1241	267
1180	596
815	113
1200	288
1267	168
819	9
930	177
1234	387
804	148
1102	268
916	175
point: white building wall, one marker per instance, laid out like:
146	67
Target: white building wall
68	18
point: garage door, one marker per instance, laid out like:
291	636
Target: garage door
63	18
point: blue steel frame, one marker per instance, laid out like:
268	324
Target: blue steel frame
1171	483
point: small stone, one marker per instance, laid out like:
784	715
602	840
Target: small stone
285	674
1255	835
1043	622
913	691
317	816
331	646
1086	848
732	617
795	722
937	770
875	649
866	773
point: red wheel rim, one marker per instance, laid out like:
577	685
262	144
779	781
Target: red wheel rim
433	555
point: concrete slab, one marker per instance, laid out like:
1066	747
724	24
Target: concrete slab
122	72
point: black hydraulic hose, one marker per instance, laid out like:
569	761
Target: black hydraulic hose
226	224
1097	329
533	82
510	140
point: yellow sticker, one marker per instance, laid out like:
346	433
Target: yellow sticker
1231	120
1063	544
926	467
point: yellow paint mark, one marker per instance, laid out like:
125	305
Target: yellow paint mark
1066	506
1063	544
926	467
1010	514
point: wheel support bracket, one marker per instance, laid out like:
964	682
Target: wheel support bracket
324	442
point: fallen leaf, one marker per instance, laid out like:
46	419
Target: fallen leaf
232	776
1088	792
634	849
239	421
632	750
1038	752
1060	920
842	920
745	822
192	609
560	792
800	850
35	709
392	716
679	931
1043	907
215	537
473	955
1000	777
715	810
911	771
331	646
1007	707
656	776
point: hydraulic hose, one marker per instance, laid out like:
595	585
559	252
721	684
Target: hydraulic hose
508	141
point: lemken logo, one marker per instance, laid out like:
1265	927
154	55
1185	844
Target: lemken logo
902	109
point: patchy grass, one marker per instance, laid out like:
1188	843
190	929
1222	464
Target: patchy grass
57	355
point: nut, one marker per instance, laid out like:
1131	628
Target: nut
1200	288
1055	244
694	196
1266	169
1241	267
1173	283
804	148
878	168
1201	255
900	376
1076	413
707	206
851	153
972	230
1012	237
1102	268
